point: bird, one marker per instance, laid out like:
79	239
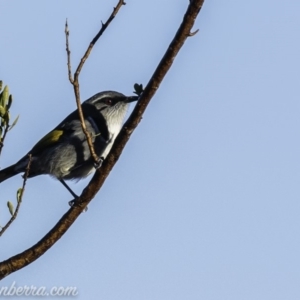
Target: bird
63	153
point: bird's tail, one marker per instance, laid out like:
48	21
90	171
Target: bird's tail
8	172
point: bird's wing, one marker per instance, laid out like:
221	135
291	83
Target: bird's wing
69	128
50	139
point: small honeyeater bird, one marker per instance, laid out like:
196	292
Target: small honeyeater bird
64	152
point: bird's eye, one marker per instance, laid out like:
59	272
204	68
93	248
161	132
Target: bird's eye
108	101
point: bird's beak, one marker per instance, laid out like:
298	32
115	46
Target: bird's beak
131	99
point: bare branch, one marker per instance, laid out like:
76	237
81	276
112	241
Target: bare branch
14	216
68	52
28	256
75	81
96	38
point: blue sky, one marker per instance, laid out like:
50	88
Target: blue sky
204	201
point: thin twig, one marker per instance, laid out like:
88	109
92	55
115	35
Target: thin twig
97	36
68	52
75	81
14	216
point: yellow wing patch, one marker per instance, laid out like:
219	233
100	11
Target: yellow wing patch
49	139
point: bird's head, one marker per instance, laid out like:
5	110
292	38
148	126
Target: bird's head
111	104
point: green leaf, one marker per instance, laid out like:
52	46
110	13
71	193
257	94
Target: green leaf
4	96
2	111
19	194
14	123
1	83
10	207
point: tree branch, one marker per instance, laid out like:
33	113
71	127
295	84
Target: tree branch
97	36
75	81
67	33
28	256
19	198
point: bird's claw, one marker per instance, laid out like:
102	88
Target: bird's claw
72	202
98	164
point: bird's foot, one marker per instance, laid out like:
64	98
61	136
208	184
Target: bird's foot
72	202
98	164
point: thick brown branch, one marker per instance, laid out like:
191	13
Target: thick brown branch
21	260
